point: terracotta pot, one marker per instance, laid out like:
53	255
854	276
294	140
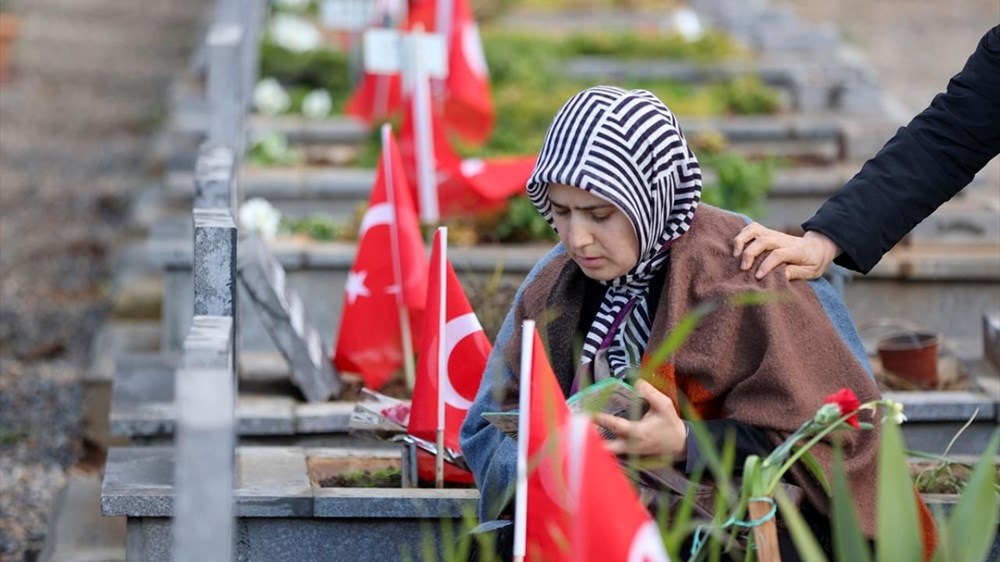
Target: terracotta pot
912	356
9	28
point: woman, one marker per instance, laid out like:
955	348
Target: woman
617	181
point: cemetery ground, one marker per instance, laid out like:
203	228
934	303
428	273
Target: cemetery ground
76	123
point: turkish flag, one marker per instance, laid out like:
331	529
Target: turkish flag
468	103
611	522
580	506
549	506
389	272
470	185
376	98
466	349
585	510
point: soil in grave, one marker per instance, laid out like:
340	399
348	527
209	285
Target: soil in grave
943	478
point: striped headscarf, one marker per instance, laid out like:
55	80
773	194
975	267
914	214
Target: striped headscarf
626	148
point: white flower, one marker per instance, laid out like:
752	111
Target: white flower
270	98
894	412
257	215
294	33
317	104
292	5
686	23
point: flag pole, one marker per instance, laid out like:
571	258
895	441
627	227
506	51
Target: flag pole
524	402
442	353
423	131
397	264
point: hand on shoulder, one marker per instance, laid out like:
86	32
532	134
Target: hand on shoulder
805	257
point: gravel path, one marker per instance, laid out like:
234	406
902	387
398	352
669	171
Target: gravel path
89	86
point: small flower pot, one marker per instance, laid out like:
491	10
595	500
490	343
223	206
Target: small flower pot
912	356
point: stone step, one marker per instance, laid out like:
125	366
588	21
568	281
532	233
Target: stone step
142	402
78	532
796	194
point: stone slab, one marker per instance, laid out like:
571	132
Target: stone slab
214	259
268	539
324	417
203	464
958	406
214	179
265	415
142	396
138	482
142	405
283	312
273	482
395	503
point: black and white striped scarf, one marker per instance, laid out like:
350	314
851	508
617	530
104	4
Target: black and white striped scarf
627	148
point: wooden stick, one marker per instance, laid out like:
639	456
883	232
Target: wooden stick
765	535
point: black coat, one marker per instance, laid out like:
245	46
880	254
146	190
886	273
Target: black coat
926	163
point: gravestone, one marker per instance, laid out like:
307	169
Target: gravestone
283	314
214	265
203	513
214	174
224	89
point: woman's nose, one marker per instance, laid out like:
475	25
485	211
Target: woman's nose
579	236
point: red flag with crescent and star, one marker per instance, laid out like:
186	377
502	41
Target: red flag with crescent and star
549	500
466	97
469	185
389	272
580	506
466	349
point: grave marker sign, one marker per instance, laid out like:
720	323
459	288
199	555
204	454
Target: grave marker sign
283	314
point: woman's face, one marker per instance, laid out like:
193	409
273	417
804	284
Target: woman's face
597	235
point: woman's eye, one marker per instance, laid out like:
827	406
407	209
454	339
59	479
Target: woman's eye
600	218
560	212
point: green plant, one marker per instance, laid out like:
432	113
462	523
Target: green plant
522	223
747	95
319	68
272	149
317	227
741	185
965	534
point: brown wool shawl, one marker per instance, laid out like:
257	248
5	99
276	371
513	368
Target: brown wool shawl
769	365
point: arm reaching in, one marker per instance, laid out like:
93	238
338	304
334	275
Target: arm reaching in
805	257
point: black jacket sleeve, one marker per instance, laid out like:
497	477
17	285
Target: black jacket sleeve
922	166
748	439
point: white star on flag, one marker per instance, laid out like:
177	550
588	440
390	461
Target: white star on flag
356	286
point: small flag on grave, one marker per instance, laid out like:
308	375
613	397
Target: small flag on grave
387	285
453	353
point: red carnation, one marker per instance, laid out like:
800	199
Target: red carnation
847	402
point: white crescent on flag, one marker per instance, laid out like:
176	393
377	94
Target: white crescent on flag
647	545
381	213
455	331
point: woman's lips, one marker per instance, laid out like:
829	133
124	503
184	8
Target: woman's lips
589	263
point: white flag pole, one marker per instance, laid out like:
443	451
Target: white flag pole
524	402
442	354
579	424
423	131
397	263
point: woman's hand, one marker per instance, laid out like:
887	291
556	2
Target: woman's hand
660	432
807	257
